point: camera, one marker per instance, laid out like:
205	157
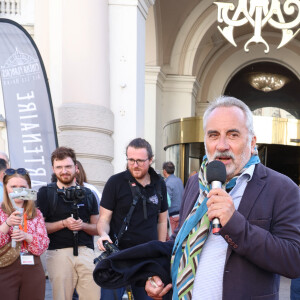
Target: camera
72	194
109	249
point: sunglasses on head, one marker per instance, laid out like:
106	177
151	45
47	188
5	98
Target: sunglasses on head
20	171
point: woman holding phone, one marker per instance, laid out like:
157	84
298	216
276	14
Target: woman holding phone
21	271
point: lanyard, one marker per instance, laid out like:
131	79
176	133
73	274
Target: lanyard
24	229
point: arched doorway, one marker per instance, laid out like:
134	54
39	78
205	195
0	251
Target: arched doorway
274	101
271	90
266	84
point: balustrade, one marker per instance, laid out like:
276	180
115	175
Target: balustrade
10	7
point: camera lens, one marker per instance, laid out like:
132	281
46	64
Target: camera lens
101	257
79	193
112	248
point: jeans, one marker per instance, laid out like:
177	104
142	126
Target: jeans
295	289
139	293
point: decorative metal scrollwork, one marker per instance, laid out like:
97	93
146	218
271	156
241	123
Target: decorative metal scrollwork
260	13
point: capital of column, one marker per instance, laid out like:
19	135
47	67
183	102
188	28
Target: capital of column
154	75
182	83
142	5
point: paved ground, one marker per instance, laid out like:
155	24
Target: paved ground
284	290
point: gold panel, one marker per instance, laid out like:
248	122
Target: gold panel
183	131
267	129
182	154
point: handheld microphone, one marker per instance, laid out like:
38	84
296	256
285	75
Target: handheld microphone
216	176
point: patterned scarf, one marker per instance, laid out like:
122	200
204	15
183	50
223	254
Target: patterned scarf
192	236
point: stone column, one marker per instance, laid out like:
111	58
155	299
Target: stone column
78	71
200	108
178	100
127	72
154	82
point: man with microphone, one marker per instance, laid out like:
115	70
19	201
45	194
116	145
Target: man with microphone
257	212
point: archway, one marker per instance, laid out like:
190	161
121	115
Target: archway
264	93
272	91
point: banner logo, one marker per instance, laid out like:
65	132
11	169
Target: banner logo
259	14
20	68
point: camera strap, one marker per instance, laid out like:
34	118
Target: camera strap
136	193
52	196
126	221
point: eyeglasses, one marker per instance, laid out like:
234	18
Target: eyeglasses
139	162
60	168
20	171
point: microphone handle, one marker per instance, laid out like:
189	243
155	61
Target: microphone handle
216	225
13	242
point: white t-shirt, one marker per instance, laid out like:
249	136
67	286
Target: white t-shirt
97	194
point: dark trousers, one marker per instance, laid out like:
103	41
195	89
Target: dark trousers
139	293
18	282
295	289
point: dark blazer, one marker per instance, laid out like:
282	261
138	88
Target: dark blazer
263	235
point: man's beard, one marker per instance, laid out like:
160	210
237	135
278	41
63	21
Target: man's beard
68	180
232	168
141	175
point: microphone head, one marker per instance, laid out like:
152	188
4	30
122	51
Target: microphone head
216	171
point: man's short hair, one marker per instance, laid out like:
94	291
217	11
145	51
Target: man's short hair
140	143
3	164
226	101
169	167
62	153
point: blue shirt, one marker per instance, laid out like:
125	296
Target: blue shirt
175	191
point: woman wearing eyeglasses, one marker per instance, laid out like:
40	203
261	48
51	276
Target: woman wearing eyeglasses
21	273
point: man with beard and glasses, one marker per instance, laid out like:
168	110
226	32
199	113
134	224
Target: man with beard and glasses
70	220
260	217
148	220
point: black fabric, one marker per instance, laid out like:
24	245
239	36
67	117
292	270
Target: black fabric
135	265
64	238
52	196
174	213
117	197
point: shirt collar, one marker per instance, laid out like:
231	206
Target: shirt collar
247	174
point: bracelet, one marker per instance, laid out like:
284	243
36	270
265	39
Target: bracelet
63	223
7	224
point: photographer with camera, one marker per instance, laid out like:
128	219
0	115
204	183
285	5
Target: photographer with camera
133	210
71	214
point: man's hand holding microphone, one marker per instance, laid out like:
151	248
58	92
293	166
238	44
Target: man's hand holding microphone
220	205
